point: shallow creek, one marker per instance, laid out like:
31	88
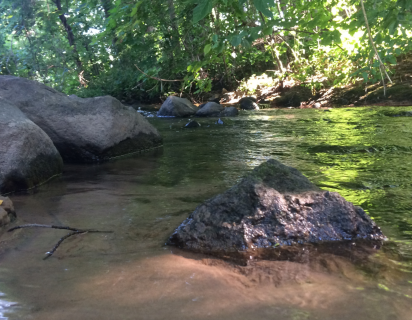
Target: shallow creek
130	274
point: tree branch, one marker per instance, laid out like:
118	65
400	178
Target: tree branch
74	231
382	66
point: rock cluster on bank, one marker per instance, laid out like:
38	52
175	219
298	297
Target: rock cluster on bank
36	120
83	130
275	205
181	107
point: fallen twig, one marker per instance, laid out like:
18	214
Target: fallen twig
74	231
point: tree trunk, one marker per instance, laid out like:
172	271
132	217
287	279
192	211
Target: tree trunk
107	5
173	22
70	35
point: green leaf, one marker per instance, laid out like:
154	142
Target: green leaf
267	30
207	48
235	40
331	37
220	47
202	10
254	33
246	43
136	7
263	6
391	59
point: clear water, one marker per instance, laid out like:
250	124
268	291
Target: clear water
130	274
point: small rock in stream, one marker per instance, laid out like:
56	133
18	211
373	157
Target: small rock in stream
192	124
7	213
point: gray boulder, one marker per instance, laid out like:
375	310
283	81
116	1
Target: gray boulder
176	107
229	112
274	206
211	109
7	213
27	155
83	130
248	103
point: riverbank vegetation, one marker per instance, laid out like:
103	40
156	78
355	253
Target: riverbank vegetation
145	50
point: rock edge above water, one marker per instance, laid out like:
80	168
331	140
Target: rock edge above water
83	130
273	206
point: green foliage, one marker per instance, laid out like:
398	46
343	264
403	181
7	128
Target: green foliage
202	10
208	43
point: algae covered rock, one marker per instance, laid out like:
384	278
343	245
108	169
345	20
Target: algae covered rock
275	205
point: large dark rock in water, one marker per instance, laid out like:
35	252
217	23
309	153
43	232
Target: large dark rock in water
229	112
27	155
176	107
275	205
210	109
248	103
83	130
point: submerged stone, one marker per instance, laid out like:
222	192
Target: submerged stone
192	124
275	205
403	114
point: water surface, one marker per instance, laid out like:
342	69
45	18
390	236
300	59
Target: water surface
130	274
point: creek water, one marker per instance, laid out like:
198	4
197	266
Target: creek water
129	274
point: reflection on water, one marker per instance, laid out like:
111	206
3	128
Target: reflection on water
129	274
6	307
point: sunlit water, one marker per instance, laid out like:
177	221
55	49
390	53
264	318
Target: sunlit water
130	274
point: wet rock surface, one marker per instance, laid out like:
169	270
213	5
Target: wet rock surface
210	109
229	112
274	206
7	213
176	107
248	103
83	130
27	155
